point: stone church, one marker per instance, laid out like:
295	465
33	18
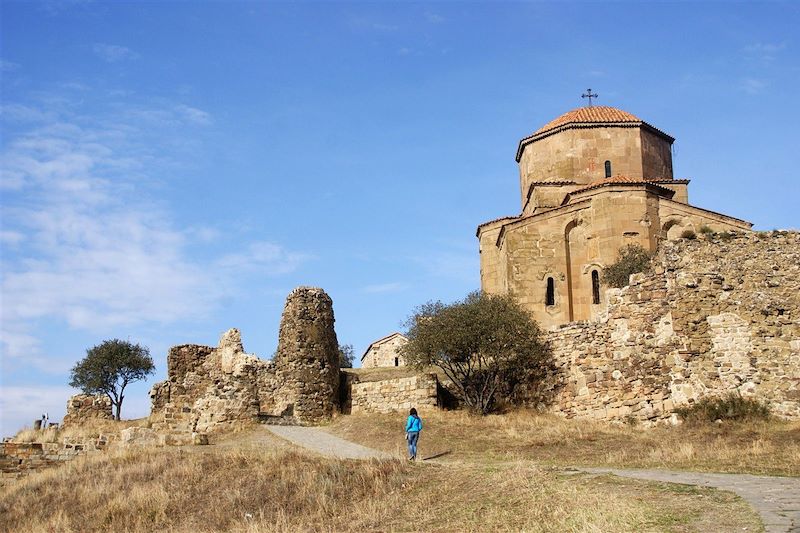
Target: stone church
591	181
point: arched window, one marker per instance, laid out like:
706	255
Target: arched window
608	169
550	296
595	287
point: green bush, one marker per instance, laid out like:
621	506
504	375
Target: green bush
732	406
688	234
631	259
705	230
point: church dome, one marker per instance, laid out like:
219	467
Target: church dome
589	115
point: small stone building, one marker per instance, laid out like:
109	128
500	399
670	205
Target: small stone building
591	181
385	352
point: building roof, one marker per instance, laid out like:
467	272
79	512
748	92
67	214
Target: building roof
626	180
381	340
588	117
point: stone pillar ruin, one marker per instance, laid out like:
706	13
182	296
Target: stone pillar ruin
307	360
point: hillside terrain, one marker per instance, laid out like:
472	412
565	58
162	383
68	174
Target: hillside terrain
252	481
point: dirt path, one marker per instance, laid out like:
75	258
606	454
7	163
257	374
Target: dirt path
776	499
324	443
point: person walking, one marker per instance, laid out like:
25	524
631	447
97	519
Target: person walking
413	427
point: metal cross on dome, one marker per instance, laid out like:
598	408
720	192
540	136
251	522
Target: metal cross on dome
589	95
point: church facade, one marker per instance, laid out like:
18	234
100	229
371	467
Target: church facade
591	181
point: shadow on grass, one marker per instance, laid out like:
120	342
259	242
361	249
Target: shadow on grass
435	456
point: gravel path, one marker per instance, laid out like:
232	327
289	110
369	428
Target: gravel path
777	499
326	444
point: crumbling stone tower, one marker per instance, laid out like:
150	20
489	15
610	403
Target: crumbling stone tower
307	360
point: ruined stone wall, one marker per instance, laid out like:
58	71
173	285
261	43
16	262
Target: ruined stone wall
399	394
716	315
307	360
19	458
84	407
212	389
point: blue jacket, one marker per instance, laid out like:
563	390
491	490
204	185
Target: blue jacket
414	423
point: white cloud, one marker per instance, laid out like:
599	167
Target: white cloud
11	238
21	405
113	53
385	287
192	114
262	257
22	113
89	248
8	66
753	85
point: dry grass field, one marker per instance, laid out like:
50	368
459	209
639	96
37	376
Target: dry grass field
763	447
252	484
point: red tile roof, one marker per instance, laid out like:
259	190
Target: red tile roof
620	179
588	117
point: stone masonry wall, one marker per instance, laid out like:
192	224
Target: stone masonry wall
386	352
83	407
399	394
716	315
18	458
307	360
212	389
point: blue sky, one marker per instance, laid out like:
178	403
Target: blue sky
171	170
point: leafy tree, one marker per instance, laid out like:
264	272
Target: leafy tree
631	259
486	344
346	356
109	367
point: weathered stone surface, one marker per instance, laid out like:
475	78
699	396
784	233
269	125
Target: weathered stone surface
136	436
575	214
84	407
716	315
398	394
385	352
212	389
307	360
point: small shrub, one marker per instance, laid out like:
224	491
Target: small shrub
688	234
725	236
705	230
732	406
631	259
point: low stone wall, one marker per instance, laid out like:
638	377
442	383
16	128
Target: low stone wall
716	315
19	458
83	407
399	394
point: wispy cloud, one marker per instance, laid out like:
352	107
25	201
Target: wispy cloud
394	286
8	66
765	52
86	245
21	404
372	24
192	114
433	18
113	53
754	85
